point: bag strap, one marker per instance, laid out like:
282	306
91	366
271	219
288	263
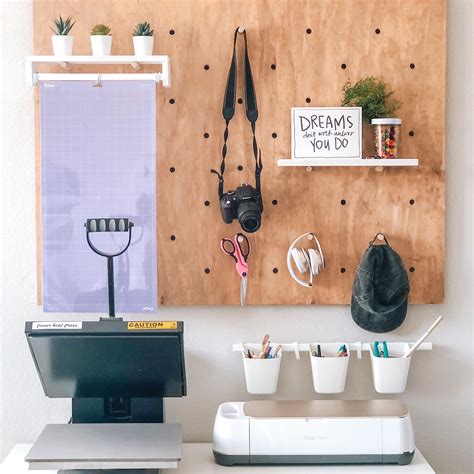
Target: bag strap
251	111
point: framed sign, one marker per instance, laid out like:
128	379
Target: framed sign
326	132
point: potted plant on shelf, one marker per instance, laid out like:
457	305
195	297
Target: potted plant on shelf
62	43
378	106
143	39
101	40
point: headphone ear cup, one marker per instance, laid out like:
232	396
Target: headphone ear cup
299	259
315	261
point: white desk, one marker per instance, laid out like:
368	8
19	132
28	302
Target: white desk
197	459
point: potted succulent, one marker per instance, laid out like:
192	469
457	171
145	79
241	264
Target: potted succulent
378	106
62	43
101	40
143	39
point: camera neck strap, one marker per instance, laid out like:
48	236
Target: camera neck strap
251	111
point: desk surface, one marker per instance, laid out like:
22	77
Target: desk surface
197	458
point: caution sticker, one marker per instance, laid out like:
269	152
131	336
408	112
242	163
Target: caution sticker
143	325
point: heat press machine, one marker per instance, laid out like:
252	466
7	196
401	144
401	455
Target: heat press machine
116	373
313	432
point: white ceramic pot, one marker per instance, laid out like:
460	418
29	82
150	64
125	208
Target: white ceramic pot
62	45
143	45
101	45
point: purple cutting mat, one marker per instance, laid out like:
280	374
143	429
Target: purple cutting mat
98	149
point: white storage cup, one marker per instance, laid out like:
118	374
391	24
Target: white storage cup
390	374
330	371
261	375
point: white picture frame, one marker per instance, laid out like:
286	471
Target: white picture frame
326	133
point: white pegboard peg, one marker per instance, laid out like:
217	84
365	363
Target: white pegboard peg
240	30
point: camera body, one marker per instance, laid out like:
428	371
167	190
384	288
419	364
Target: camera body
245	204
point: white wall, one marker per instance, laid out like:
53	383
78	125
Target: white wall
440	386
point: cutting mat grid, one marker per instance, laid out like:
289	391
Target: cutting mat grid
98	160
302	53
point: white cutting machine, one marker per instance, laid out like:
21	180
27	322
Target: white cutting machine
313	432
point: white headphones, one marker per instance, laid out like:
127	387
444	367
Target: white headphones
305	259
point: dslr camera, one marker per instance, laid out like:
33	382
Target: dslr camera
245	204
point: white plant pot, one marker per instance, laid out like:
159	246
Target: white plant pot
390	374
62	45
101	45
143	45
261	375
330	371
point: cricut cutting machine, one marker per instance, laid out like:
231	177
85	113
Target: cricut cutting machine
313	432
117	373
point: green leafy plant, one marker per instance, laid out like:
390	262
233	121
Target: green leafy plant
372	95
100	30
143	29
62	27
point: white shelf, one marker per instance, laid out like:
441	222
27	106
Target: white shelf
66	62
309	163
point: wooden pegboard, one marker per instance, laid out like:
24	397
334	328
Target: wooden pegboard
302	53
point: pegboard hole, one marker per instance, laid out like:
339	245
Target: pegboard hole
274	202
240	101
274	135
206	135
343	202
172	32
343	66
412	269
206	67
273	66
412	66
207	203
275	270
172	101
377	31
308	100
309	31
411	133
172	169
173	237
412	201
240	167
207	270
343	270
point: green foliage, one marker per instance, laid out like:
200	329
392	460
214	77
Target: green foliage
62	27
143	29
100	30
372	95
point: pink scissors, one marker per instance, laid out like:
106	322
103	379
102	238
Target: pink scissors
239	249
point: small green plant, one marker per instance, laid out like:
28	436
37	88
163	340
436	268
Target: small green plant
62	27
100	30
372	95
143	29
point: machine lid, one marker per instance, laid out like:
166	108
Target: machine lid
325	409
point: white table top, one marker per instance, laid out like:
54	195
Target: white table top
197	458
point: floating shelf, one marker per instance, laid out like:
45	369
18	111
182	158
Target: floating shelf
66	62
378	164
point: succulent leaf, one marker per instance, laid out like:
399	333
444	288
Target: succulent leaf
143	29
100	30
63	27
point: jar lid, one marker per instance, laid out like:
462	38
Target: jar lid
386	121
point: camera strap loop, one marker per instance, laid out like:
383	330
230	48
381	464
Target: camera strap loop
251	111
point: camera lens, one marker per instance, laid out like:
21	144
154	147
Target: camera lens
249	216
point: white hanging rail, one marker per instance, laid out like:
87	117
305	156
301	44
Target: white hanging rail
309	163
305	347
66	62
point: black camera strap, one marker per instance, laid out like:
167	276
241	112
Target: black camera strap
251	111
